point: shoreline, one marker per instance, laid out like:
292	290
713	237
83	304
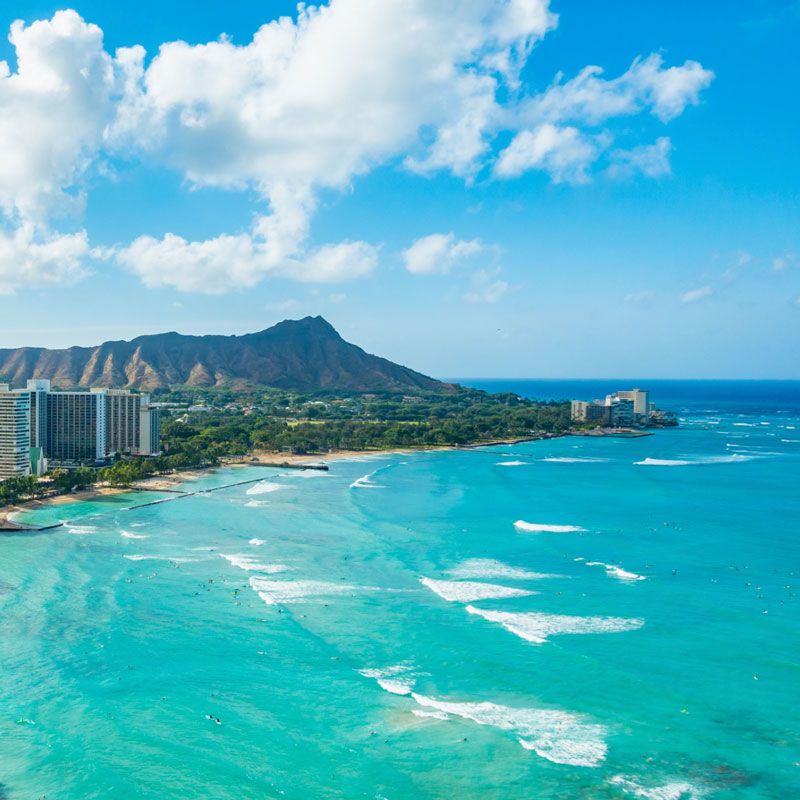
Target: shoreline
168	483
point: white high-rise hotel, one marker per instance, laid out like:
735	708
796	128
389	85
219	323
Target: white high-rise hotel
15	433
41	426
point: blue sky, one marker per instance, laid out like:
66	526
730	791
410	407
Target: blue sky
449	184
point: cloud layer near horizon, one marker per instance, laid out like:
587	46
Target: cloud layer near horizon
310	104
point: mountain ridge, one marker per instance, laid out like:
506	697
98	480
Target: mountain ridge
301	355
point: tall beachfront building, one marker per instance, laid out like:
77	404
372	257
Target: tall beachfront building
86	427
122	420
15	433
76	427
132	425
149	431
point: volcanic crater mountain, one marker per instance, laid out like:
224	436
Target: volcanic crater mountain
300	355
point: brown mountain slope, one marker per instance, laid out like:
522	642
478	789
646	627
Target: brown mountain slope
302	355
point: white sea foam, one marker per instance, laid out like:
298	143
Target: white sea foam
256	503
537	627
467	591
399	679
535	527
558	736
257	542
249	564
264	487
489	568
555	735
432	714
746	424
129	535
663	462
365	482
273	592
512	463
677	790
793	441
567	460
616	572
81	529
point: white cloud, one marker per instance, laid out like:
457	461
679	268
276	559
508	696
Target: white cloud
486	288
639	297
647	84
651	160
308	104
438	253
334	263
53	110
780	263
30	260
319	100
227	263
565	153
697	294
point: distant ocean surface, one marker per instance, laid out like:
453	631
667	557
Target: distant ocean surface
595	619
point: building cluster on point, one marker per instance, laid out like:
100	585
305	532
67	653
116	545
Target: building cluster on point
626	409
41	428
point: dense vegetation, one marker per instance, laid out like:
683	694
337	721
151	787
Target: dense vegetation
314	424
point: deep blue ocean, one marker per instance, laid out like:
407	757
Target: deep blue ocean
573	618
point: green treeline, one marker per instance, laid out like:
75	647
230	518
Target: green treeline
374	423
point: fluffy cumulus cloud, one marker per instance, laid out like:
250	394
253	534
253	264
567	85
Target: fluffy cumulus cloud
310	103
564	152
697	294
438	253
53	111
28	260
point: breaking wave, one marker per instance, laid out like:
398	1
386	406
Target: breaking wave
538	627
489	568
365	482
521	525
678	790
274	592
567	460
557	736
249	563
264	487
468	591
617	572
665	462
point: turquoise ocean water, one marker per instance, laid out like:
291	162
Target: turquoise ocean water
386	630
